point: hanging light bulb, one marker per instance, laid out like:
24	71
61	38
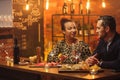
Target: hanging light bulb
27	6
47	4
103	4
88	6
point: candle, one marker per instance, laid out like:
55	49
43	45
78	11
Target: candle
93	71
46	67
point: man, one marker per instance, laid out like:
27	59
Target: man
107	53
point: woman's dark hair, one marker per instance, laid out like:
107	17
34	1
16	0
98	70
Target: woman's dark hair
63	21
108	21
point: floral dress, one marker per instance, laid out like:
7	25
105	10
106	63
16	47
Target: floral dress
69	54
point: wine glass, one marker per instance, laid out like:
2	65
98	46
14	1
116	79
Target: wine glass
77	57
51	54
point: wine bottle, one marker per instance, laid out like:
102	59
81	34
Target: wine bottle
85	28
65	8
79	29
91	29
72	8
16	52
80	7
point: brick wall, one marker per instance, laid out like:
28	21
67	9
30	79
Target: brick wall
6	43
55	7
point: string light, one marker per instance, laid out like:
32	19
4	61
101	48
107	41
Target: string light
103	4
47	4
27	6
88	6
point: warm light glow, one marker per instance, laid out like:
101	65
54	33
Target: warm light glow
81	5
103	4
47	4
88	5
93	76
27	6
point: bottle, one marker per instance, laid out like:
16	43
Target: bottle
85	28
65	8
16	55
91	28
80	7
79	29
72	8
38	49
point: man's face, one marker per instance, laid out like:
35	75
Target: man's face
70	29
101	30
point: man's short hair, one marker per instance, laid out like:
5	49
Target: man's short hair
108	21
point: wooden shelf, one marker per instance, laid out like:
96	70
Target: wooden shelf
84	20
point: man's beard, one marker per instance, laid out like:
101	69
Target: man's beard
103	37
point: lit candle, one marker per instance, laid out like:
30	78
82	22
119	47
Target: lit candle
93	71
46	67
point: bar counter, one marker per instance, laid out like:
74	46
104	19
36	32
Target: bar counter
18	72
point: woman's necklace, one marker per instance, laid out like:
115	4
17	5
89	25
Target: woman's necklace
71	41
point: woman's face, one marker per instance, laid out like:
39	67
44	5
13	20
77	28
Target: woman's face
70	29
101	30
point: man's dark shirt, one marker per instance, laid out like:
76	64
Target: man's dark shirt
111	58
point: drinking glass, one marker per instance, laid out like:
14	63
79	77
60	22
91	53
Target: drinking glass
93	71
77	57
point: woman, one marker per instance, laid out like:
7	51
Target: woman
69	50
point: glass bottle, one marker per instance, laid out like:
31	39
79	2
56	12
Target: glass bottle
91	29
80	7
65	8
72	8
79	29
16	52
85	28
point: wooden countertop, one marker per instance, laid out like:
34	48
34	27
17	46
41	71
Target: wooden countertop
107	74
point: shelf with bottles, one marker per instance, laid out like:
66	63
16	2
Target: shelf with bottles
70	7
86	29
6	33
85	25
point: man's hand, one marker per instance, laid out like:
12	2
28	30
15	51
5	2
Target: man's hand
92	60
